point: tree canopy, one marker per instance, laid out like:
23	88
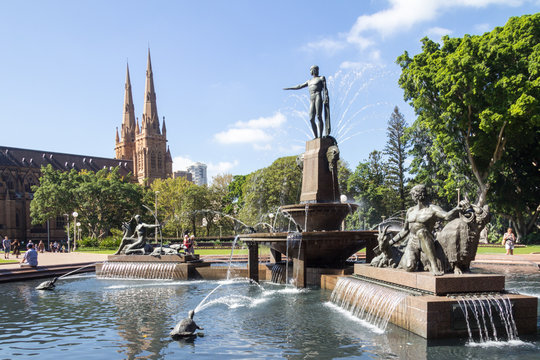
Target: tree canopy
477	101
102	199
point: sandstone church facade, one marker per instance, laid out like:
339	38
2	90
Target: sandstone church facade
141	149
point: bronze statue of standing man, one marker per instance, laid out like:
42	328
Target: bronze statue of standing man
318	96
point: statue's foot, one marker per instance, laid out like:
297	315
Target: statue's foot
457	271
438	273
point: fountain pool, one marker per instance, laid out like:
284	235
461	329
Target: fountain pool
93	318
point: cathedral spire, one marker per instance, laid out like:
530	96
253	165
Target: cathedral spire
128	122
150	114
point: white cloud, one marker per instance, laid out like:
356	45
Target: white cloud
181	163
222	167
274	121
329	46
255	132
242	136
399	16
438	32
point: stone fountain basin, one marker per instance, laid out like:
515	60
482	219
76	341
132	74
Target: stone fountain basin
326	249
320	216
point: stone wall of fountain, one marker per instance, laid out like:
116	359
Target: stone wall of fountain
437	306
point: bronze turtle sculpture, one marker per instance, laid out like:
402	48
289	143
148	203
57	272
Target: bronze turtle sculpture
185	328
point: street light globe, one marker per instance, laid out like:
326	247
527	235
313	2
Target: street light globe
343	198
271	215
75	214
78	224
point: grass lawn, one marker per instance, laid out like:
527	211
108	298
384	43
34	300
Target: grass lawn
501	250
10	261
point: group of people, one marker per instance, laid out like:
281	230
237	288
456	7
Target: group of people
7	245
189	244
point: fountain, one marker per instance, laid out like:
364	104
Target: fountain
320	247
135	260
449	301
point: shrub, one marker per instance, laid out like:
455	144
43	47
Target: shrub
110	243
88	242
531	239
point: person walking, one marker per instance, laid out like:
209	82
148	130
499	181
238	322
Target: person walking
16	246
41	246
6	243
509	239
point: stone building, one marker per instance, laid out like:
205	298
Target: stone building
141	150
145	144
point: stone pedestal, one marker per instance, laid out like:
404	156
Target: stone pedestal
319	184
431	309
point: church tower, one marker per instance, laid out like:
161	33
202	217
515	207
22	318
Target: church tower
146	144
125	148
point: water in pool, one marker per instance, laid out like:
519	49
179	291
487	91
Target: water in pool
91	318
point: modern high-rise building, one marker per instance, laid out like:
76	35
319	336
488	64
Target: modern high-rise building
144	145
198	173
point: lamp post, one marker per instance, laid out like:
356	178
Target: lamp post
79	231
67	221
155	213
75	214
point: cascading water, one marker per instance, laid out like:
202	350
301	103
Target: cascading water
137	270
487	313
367	301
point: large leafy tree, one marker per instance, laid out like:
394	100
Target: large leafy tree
396	151
478	99
103	199
370	189
169	194
265	190
54	195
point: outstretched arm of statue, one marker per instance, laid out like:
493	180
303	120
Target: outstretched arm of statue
297	87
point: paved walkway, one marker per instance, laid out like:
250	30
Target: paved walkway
49	259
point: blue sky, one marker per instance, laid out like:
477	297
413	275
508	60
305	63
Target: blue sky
219	69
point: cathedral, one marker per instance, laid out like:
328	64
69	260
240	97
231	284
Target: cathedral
145	144
141	149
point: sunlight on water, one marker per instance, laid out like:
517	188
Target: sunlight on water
500	344
350	316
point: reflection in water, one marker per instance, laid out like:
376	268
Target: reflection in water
118	319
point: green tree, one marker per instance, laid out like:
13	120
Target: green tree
265	190
478	99
103	199
396	150
367	184
194	200
54	195
170	193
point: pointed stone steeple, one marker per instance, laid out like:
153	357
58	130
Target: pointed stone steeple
150	114
163	128
128	122
117	137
